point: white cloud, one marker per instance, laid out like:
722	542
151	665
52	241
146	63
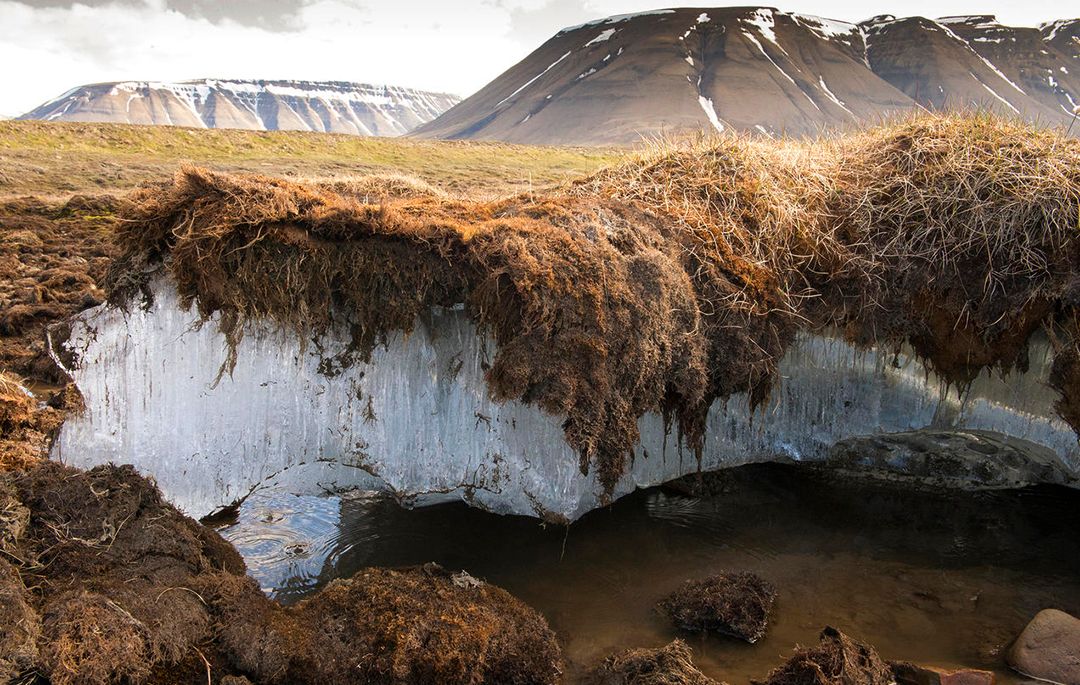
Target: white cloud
48	50
448	46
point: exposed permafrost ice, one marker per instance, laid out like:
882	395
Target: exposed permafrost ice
417	420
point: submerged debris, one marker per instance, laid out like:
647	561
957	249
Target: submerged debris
667	282
736	604
907	673
668	665
837	660
127	589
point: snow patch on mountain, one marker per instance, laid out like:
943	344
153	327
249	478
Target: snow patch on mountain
604	36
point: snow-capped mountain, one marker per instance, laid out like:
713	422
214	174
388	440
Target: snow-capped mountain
760	69
336	107
975	61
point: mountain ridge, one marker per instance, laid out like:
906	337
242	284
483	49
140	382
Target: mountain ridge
252	104
616	79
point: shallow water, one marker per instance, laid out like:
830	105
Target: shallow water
939	578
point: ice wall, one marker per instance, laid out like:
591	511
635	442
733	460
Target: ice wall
417	420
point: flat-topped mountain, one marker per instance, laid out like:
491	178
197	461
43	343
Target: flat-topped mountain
336	107
760	69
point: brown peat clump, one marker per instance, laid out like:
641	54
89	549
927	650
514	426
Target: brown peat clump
735	604
408	626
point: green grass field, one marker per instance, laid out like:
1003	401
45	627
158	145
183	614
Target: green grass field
61	159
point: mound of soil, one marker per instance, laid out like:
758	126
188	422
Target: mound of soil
736	604
668	665
108	583
837	660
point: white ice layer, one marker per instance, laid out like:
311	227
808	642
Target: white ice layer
417	420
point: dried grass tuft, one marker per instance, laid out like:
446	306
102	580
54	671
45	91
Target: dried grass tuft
26	430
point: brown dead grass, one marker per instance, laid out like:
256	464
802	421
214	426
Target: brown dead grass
20	625
836	660
565	285
53	255
668	665
664	283
113	569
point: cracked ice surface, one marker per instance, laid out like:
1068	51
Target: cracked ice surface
417	420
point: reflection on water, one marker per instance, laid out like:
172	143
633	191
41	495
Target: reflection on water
939	578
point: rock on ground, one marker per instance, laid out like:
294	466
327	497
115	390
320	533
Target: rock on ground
912	674
1049	648
966	459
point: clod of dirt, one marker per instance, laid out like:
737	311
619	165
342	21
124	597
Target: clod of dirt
735	604
403	627
668	665
89	638
837	660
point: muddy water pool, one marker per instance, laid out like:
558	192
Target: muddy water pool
939	578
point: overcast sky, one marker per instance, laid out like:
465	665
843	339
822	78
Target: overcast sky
49	46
